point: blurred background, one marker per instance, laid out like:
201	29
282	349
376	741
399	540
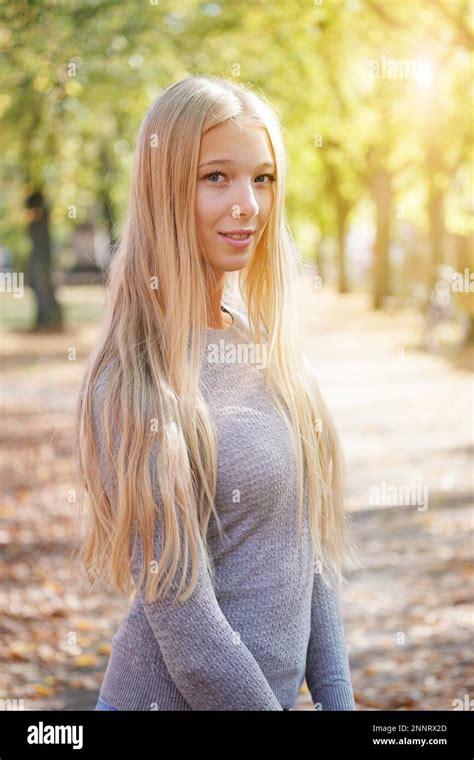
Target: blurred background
374	98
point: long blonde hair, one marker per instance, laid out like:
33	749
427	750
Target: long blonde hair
150	348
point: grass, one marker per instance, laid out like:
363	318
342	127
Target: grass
81	304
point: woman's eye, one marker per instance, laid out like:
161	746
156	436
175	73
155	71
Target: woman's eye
270	177
213	174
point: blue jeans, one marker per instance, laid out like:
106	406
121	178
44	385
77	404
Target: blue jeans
102	705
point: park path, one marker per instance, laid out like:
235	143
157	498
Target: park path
404	418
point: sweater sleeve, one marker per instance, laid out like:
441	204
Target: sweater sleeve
208	662
327	665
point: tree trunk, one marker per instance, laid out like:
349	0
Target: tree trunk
48	310
107	207
106	200
465	247
436	217
342	207
382	194
342	210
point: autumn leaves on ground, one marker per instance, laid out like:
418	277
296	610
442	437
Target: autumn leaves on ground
404	418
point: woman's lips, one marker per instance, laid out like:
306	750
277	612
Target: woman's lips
239	244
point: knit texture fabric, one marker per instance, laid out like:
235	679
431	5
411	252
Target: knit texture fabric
248	640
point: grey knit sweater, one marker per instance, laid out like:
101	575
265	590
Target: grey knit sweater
248	641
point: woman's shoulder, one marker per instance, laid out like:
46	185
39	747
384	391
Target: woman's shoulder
241	318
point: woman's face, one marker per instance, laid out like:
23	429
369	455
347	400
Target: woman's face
234	191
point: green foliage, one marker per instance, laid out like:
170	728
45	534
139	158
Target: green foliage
79	77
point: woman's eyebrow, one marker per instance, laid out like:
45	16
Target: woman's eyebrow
230	161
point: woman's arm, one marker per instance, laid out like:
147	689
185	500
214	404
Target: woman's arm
327	664
209	664
204	655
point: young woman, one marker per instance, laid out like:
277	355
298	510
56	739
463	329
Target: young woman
211	464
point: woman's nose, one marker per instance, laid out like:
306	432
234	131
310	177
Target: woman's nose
245	203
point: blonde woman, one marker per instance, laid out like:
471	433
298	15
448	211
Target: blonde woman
211	464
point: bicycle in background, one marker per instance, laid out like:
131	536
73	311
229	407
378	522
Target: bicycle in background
447	328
